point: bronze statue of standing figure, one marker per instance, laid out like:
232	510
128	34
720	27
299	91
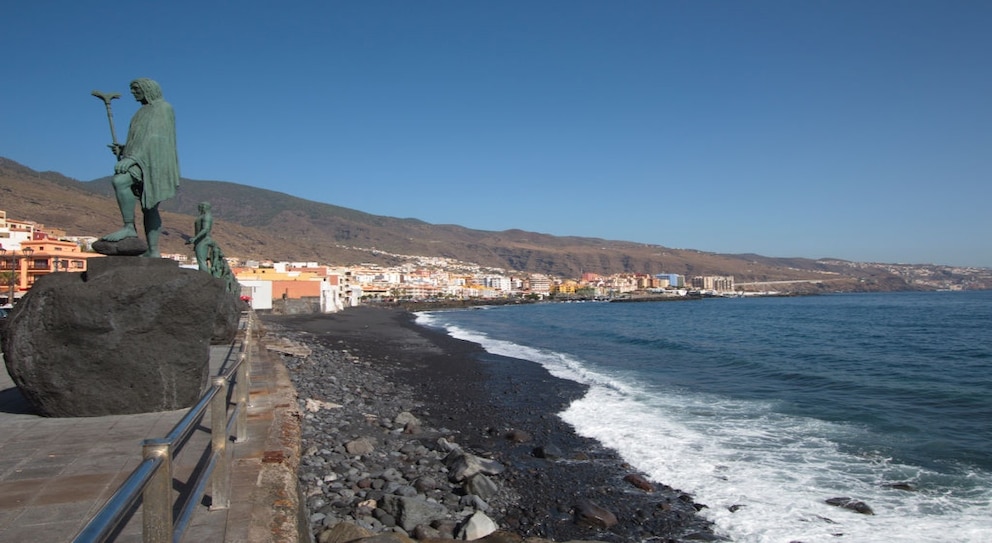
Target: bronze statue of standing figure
209	256
147	169
201	240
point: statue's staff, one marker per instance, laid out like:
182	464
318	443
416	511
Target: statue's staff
107	97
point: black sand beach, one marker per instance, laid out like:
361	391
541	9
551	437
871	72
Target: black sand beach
375	363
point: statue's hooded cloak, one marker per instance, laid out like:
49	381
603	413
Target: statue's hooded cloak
151	143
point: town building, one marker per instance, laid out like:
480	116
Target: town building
291	281
674	280
717	283
29	251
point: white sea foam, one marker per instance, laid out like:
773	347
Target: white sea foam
558	364
778	469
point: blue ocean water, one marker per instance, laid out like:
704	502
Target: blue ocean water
775	405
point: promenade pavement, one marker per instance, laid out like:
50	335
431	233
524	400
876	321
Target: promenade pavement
56	473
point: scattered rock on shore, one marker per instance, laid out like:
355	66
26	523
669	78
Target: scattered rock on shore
639	481
852	504
379	465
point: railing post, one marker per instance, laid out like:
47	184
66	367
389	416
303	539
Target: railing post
221	479
249	346
241	392
156	508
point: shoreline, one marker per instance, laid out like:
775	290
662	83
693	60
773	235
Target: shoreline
376	366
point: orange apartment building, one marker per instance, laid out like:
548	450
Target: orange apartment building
37	258
28	251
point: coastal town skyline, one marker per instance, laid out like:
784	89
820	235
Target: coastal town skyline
811	130
30	250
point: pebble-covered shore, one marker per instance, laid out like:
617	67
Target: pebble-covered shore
408	433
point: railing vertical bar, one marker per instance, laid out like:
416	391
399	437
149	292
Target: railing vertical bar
241	393
221	478
249	347
107	519
156	509
248	357
186	515
152	479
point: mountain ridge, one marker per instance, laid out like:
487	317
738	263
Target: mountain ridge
254	223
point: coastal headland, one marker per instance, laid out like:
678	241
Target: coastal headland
392	411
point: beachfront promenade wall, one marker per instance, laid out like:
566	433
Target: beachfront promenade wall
56	473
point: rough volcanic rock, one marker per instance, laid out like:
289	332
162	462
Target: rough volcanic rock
130	335
226	318
592	514
639	481
852	504
366	368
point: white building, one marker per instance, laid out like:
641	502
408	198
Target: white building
260	293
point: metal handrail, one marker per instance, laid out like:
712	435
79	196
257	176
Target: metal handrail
151	480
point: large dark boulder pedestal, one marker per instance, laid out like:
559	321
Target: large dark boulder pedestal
129	335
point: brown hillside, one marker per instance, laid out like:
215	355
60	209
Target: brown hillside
261	224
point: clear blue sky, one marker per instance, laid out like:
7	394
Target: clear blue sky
855	129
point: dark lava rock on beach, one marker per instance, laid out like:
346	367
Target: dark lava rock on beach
461	469
852	504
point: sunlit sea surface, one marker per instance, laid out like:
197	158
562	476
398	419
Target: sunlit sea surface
775	405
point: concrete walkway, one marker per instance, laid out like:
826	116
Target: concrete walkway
56	473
